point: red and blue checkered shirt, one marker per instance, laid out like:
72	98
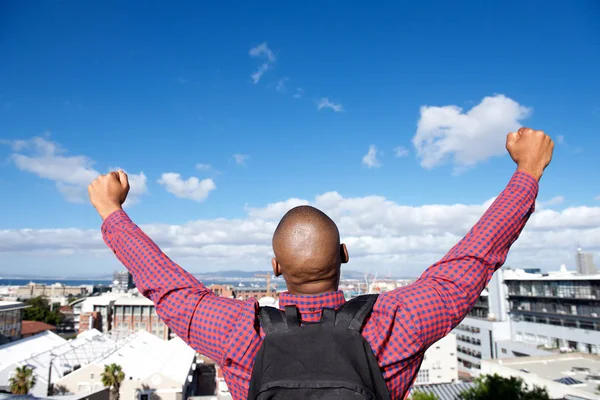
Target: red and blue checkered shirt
404	321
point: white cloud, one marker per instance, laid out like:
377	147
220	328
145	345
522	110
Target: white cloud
325	103
560	139
400	151
447	134
203	167
557	200
71	174
240	159
191	188
280	86
275	211
262	51
381	235
299	93
370	159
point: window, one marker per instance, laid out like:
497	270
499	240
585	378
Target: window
503	351
423	376
144	397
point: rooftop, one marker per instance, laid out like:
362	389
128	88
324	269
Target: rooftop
563	275
147	354
19	350
11	305
33	327
133	301
444	391
580	371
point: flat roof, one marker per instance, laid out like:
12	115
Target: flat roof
571	369
12	305
133	301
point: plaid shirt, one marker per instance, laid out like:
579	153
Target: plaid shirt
404	321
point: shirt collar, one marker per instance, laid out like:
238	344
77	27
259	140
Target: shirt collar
313	303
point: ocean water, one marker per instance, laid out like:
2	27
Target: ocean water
107	282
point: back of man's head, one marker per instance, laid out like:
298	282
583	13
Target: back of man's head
307	251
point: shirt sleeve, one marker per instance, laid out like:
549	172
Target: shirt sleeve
198	316
445	293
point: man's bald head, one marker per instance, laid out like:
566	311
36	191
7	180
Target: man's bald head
307	251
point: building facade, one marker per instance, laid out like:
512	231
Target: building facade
54	291
11	318
585	263
555	311
122	281
485	324
118	312
439	363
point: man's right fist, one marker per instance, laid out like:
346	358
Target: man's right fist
108	192
531	150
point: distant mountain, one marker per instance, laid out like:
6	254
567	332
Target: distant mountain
212	275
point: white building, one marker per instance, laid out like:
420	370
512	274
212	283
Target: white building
487	323
555	311
153	368
585	263
440	363
15	353
565	376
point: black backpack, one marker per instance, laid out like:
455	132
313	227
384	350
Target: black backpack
329	359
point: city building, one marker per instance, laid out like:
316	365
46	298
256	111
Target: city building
153	368
585	263
122	281
131	314
119	312
56	292
440	363
15	353
30	328
11	317
555	311
485	324
94	312
565	376
248	292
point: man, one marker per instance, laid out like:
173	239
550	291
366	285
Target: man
308	253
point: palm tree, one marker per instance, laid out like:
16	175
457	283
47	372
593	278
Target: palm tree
112	377
23	380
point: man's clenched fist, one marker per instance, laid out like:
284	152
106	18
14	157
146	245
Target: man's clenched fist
108	192
531	150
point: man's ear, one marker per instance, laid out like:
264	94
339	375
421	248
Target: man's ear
276	267
344	254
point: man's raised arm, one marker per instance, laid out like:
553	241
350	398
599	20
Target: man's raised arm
448	290
199	317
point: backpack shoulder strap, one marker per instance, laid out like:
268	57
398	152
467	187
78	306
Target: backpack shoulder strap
353	313
272	319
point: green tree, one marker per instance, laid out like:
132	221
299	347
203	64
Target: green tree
40	310
496	387
112	377
419	395
23	380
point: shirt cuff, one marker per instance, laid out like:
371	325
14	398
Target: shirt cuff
527	182
116	218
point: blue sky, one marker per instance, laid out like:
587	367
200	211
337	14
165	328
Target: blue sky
156	88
